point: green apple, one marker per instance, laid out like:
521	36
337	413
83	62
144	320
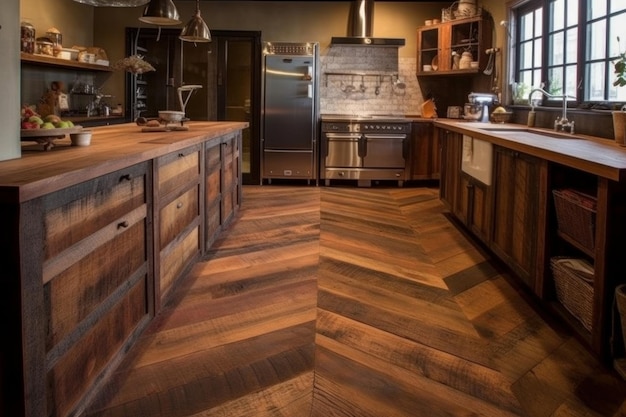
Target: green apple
36	119
47	125
70	123
61	124
52	118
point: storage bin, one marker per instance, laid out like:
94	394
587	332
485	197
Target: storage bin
573	281
576	216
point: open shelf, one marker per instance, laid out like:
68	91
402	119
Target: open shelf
61	63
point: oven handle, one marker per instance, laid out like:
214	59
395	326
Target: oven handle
385	137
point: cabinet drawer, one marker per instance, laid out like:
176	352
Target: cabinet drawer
178	169
77	212
178	214
177	257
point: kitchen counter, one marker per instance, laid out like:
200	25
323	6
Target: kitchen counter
39	172
94	241
602	157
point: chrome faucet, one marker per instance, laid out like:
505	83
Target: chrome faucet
561	123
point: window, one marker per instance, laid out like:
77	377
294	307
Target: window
567	47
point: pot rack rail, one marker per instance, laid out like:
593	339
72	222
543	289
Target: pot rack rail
381	75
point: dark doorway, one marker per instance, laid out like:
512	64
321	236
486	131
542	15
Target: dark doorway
228	68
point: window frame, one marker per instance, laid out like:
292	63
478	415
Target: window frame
521	7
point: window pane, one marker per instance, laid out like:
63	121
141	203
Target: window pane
536	78
597	8
618	28
526	27
556	49
557	11
572	12
538	22
526	55
617	5
596	38
555	81
571	48
595	83
571	79
538	52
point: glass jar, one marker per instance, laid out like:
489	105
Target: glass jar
27	41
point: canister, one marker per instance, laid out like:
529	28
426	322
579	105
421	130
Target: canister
27	37
466	60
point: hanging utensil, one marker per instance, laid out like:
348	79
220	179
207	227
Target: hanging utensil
377	89
362	86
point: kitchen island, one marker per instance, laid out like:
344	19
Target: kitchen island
505	182
94	240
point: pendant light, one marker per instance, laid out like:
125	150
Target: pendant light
196	29
113	3
161	13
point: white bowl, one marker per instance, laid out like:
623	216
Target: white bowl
171	115
81	138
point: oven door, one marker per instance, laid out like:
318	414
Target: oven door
342	150
385	151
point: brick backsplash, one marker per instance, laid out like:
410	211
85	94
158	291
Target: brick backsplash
373	61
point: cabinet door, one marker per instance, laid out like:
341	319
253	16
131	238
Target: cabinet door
178	235
477	201
95	279
428	46
230	177
451	145
213	190
517	191
424	152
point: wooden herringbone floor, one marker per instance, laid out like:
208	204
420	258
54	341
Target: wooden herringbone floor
374	306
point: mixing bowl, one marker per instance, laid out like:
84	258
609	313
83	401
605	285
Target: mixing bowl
171	116
472	111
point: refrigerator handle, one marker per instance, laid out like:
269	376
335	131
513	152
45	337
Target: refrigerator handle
310	90
309	74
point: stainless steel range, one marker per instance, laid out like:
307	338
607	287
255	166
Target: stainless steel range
364	148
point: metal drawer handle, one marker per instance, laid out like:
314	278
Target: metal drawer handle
181	155
179	204
125	177
122	225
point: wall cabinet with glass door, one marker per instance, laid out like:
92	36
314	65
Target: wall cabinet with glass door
436	44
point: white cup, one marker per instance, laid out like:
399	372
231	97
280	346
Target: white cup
81	138
427	68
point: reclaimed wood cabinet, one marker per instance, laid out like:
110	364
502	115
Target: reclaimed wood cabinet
222	184
424	152
178	216
519	188
84	257
93	243
467	198
436	43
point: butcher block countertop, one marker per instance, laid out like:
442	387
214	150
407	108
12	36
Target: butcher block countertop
602	157
40	172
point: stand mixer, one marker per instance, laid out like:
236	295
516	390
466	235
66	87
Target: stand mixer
478	107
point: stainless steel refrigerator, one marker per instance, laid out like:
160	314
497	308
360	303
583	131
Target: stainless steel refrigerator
290	112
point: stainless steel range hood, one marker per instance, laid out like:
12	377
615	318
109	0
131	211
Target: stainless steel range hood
360	28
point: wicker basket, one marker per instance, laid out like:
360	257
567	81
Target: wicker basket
576	216
574	288
503	117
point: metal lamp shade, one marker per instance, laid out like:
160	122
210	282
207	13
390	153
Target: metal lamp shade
196	30
161	13
113	3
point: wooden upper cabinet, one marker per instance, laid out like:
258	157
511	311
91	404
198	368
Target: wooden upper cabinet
436	43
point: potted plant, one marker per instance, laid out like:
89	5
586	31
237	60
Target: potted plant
619	116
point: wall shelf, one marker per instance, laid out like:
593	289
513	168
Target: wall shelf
51	61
